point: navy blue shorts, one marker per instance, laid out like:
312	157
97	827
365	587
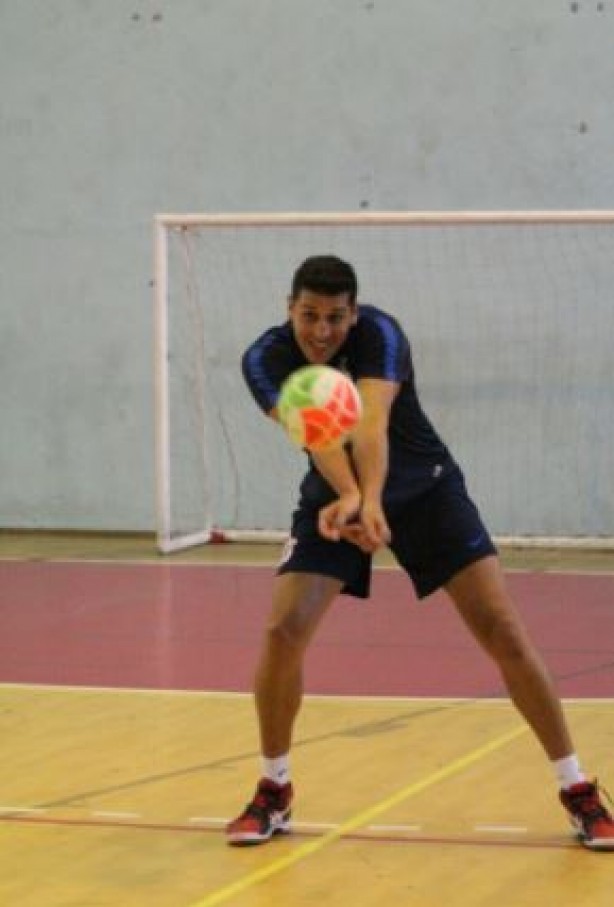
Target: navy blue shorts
433	537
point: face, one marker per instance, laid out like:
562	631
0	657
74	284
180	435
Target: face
321	323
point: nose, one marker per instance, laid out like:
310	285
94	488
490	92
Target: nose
321	330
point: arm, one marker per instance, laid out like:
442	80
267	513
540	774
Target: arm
335	466
360	481
264	370
370	437
370	455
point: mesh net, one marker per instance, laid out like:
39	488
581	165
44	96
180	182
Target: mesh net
511	329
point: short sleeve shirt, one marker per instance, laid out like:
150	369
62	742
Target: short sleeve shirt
376	347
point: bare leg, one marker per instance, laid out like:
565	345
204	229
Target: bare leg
484	603
300	600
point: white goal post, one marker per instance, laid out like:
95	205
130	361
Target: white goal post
511	320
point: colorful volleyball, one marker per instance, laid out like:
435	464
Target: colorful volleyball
318	406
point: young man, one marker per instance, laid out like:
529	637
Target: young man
396	485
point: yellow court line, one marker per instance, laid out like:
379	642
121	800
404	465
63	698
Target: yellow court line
358	821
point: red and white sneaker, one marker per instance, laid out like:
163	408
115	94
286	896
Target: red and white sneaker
268	814
589	817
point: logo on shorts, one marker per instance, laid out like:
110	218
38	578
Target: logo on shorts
437	470
286	552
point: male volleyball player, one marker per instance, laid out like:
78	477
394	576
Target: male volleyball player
397	485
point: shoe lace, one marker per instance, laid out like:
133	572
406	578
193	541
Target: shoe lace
264	802
589	804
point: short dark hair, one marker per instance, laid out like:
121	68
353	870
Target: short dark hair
325	274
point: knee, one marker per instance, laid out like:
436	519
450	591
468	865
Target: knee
505	640
287	634
299	603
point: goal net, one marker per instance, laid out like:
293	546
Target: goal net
511	320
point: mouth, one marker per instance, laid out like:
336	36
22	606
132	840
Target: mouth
320	351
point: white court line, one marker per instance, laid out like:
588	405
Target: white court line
400	828
142	691
310	697
136	562
21	810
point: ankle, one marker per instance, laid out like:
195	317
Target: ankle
568	771
277	768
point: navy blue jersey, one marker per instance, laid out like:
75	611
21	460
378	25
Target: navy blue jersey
376	347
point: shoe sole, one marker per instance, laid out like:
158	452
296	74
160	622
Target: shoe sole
247	839
602	844
598	844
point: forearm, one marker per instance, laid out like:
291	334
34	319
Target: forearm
359	482
335	466
370	457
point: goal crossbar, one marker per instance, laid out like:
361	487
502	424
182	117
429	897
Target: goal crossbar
385	218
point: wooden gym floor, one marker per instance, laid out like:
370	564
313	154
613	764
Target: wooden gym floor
129	737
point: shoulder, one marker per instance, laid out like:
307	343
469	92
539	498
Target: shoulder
371	318
382	348
267	362
273	345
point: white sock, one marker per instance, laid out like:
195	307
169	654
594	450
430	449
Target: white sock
568	771
277	769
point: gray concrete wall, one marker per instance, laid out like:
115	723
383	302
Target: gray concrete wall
111	111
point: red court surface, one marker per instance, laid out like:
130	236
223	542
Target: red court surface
195	627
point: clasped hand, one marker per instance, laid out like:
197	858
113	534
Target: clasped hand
362	523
